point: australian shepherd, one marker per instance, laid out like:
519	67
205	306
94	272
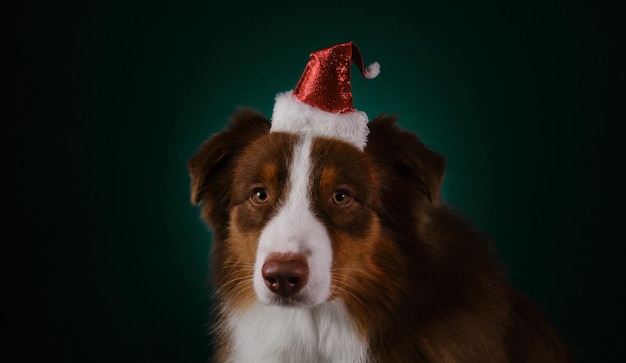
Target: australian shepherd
326	253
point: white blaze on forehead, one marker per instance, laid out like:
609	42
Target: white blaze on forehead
294	229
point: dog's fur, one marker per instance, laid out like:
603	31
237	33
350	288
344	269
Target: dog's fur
396	275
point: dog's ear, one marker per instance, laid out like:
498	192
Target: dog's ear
402	159
211	166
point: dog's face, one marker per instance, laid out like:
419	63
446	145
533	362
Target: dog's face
297	218
294	201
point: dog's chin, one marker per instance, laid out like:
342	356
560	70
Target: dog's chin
295	301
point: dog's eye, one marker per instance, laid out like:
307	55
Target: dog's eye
259	196
341	197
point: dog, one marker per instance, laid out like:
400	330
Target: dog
332	244
325	253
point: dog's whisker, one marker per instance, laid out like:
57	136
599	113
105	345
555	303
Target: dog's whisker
235	280
347	292
237	264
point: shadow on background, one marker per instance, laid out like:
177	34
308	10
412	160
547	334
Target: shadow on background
107	259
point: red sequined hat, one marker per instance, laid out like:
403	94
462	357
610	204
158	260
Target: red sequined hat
321	104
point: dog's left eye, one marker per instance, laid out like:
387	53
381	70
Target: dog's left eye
341	197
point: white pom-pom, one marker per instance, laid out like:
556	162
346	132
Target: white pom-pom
372	70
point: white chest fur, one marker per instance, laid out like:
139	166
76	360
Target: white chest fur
273	334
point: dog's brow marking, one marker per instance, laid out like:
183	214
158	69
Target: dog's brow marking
269	171
328	177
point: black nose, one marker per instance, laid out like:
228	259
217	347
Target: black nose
285	274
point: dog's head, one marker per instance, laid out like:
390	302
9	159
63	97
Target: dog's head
301	220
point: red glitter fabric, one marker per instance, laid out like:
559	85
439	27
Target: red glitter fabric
325	82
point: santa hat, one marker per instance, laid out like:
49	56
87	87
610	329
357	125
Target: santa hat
321	103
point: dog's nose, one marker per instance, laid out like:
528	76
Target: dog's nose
285	274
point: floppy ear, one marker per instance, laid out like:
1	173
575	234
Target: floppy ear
212	165
401	159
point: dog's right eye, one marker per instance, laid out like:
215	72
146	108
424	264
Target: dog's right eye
259	196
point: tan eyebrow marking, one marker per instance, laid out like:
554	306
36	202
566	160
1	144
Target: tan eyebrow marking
328	177
269	172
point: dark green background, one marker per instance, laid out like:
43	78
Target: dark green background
107	259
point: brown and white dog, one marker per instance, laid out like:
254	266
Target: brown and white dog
326	252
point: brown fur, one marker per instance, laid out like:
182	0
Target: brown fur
421	284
